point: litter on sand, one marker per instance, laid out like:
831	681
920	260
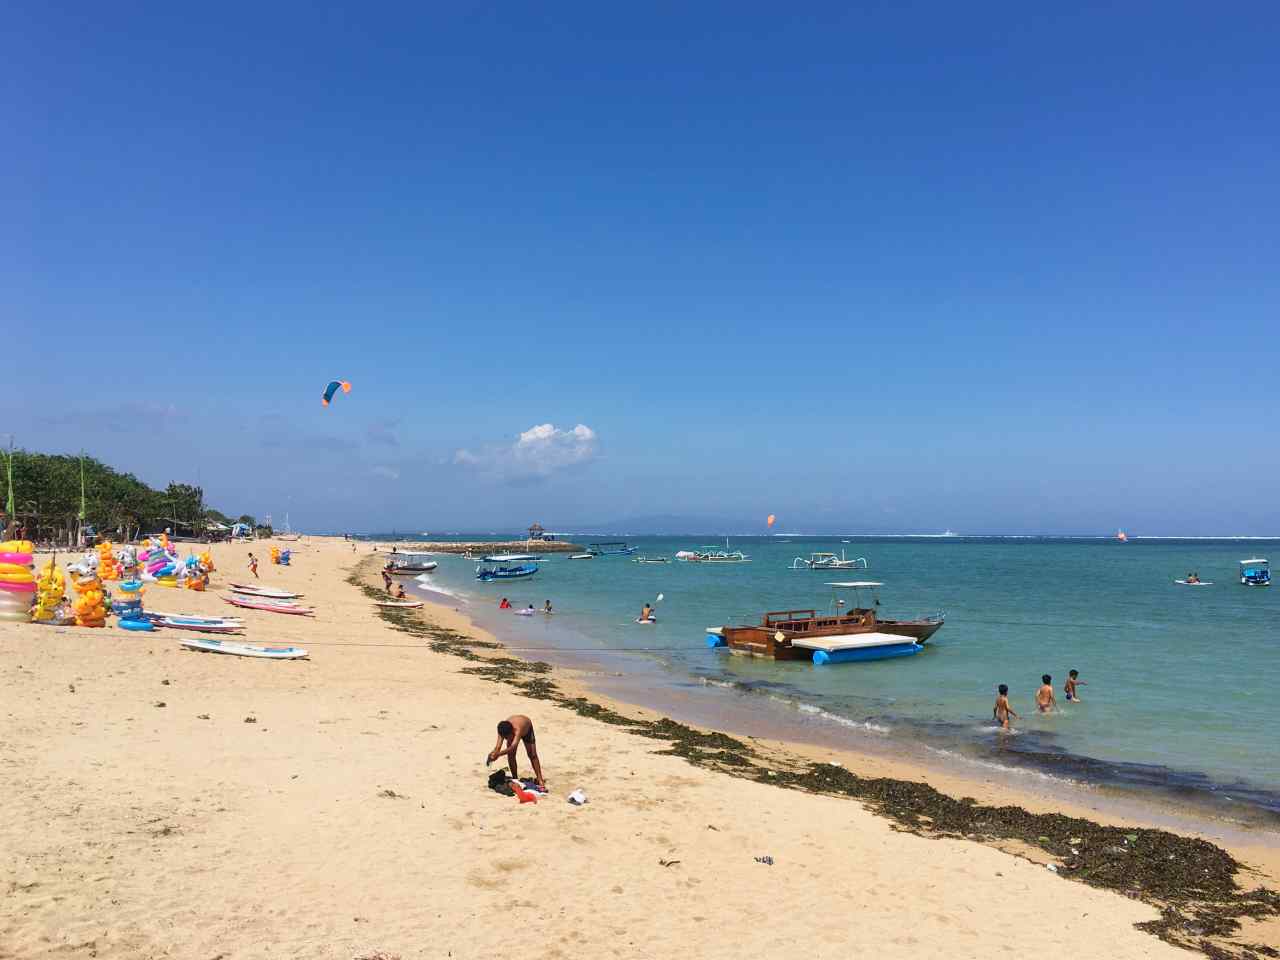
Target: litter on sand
766	860
577	798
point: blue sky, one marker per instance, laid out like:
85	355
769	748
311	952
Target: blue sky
875	267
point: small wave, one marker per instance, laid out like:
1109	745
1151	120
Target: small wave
953	755
867	725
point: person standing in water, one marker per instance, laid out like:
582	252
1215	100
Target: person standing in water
546	606
1002	711
1046	699
1073	681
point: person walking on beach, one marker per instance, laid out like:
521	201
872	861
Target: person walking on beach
512	732
1002	711
386	580
1073	681
1046	700
253	566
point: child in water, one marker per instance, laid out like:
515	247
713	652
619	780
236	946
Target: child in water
1073	681
1002	711
1046	699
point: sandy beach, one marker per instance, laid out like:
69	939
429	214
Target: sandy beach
167	803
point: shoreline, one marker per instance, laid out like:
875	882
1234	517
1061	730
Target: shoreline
340	809
736	708
1255	847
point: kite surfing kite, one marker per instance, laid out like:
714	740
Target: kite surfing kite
332	388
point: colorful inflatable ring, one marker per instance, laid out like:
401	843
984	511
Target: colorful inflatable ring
135	624
18	587
13	581
7	567
22	558
17	546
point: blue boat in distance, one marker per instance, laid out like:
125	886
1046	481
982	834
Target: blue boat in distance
489	574
1255	572
611	548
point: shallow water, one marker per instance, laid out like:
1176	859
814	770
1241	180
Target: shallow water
1179	679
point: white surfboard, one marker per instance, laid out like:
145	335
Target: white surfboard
209	645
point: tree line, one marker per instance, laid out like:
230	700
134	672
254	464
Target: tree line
119	506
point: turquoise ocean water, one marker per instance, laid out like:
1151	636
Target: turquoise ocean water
1181	692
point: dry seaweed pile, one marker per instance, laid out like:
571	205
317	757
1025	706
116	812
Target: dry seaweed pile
1192	882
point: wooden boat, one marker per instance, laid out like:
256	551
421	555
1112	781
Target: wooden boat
490	574
857	633
828	561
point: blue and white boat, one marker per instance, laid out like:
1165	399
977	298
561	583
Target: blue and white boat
489	574
1255	572
611	548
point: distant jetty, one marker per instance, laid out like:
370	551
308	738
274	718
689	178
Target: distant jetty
488	546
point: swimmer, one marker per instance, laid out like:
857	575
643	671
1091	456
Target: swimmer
1046	700
1073	681
1002	711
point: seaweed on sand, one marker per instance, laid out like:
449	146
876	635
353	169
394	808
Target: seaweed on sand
1191	881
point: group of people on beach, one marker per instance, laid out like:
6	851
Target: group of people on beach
1046	699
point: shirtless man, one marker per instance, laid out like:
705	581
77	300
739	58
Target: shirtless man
512	731
646	613
1073	681
1046	699
1002	711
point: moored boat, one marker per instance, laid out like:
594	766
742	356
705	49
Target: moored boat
609	548
1255	572
828	561
713	554
855	633
489	574
650	560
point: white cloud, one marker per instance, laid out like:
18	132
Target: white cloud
387	473
538	452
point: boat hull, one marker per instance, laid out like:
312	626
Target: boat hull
775	643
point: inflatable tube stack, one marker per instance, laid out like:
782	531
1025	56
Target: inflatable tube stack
206	561
51	589
275	555
108	565
17	581
128	607
90	604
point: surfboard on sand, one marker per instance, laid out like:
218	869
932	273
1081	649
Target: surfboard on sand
209	645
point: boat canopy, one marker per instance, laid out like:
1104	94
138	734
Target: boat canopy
857	583
1256	561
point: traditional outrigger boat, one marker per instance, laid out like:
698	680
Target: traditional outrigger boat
828	561
713	554
511	558
489	574
650	560
844	635
1255	572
